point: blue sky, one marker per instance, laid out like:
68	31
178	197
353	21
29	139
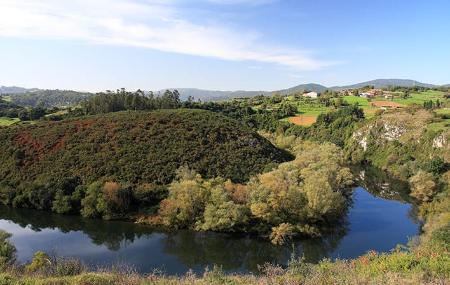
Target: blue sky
94	45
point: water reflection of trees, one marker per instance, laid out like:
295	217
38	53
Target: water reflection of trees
384	185
194	249
234	252
112	234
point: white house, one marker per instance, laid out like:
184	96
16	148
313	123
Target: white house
367	94
311	94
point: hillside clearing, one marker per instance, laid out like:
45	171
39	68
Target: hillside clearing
303	120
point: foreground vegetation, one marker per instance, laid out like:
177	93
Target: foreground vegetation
428	263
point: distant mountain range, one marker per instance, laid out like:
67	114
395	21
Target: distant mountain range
212	95
302	88
382	83
217	95
15	90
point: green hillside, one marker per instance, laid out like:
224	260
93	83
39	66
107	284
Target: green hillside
129	147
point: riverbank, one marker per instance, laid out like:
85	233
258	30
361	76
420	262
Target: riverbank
373	222
424	261
422	265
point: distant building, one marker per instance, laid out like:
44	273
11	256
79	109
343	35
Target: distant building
366	95
311	94
371	93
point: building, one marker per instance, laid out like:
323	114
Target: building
366	95
311	94
371	93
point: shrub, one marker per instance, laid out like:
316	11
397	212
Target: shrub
68	267
7	250
41	263
441	237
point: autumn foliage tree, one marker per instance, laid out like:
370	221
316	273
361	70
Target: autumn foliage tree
297	197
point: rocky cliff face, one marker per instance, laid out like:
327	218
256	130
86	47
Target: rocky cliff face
399	137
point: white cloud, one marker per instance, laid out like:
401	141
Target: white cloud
154	24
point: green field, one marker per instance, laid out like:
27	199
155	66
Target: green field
439	126
312	109
369	111
8	121
419	98
415	98
362	102
443	111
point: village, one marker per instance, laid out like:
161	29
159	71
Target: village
373	101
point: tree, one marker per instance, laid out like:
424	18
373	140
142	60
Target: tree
186	202
91	200
37	113
221	213
23	115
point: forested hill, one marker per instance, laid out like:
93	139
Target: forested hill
49	98
132	147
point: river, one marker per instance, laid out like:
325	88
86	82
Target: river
380	217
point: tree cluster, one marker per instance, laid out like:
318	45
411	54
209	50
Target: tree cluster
297	197
122	100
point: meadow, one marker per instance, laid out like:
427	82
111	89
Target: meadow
309	109
420	98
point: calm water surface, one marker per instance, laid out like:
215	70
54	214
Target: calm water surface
380	218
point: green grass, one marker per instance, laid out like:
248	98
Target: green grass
362	102
443	111
8	121
369	111
415	98
312	110
419	98
438	126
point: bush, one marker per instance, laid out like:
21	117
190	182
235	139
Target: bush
41	263
441	237
7	250
437	166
